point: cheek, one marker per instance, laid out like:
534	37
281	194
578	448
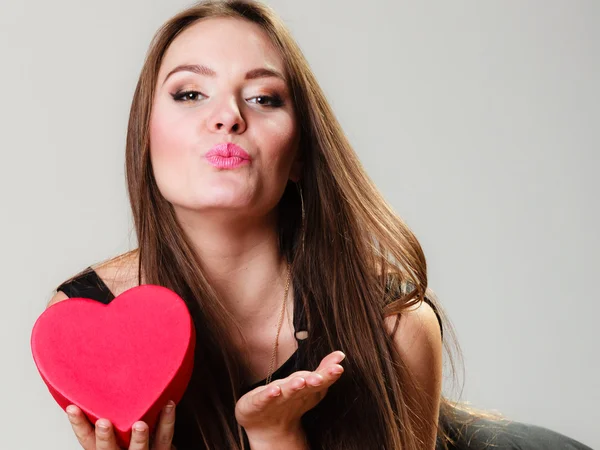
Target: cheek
281	142
164	135
167	154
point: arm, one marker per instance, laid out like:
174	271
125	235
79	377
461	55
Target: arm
294	440
419	342
58	297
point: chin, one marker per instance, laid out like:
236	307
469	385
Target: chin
213	204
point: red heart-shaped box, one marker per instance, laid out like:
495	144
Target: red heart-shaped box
122	361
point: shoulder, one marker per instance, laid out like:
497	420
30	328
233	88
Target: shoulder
395	289
418	342
416	331
117	274
58	297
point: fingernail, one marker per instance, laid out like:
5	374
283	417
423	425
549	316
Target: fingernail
138	427
102	426
342	356
71	411
169	407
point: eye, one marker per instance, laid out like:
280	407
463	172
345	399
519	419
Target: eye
186	96
271	101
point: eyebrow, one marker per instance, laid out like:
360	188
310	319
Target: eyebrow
261	72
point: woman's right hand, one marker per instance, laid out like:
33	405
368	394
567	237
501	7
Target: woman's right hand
102	436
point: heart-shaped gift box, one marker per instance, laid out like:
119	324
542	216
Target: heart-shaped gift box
122	361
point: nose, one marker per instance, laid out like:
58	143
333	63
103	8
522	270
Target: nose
227	118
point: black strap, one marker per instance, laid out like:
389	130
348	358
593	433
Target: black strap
87	284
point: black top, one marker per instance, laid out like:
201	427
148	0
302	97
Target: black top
87	285
90	285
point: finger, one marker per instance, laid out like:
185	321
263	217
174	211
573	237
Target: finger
321	381
331	373
259	397
266	396
165	428
283	388
293	386
140	436
81	427
314	379
280	381
297	381
318	384
333	358
300	373
105	436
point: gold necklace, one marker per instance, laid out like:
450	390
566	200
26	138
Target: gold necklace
279	324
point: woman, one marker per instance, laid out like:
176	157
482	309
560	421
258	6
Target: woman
315	325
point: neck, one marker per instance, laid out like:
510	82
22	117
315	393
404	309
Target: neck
242	261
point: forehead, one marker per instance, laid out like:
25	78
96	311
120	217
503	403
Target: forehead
228	45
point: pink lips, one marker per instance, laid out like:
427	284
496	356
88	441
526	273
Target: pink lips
227	156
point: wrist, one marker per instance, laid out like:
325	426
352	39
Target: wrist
292	438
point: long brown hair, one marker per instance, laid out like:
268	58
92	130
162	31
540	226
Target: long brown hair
354	244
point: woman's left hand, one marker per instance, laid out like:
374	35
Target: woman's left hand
273	411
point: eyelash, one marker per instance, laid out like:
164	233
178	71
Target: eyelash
276	100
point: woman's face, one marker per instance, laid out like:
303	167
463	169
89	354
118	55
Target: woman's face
227	94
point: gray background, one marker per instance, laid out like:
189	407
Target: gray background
478	120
